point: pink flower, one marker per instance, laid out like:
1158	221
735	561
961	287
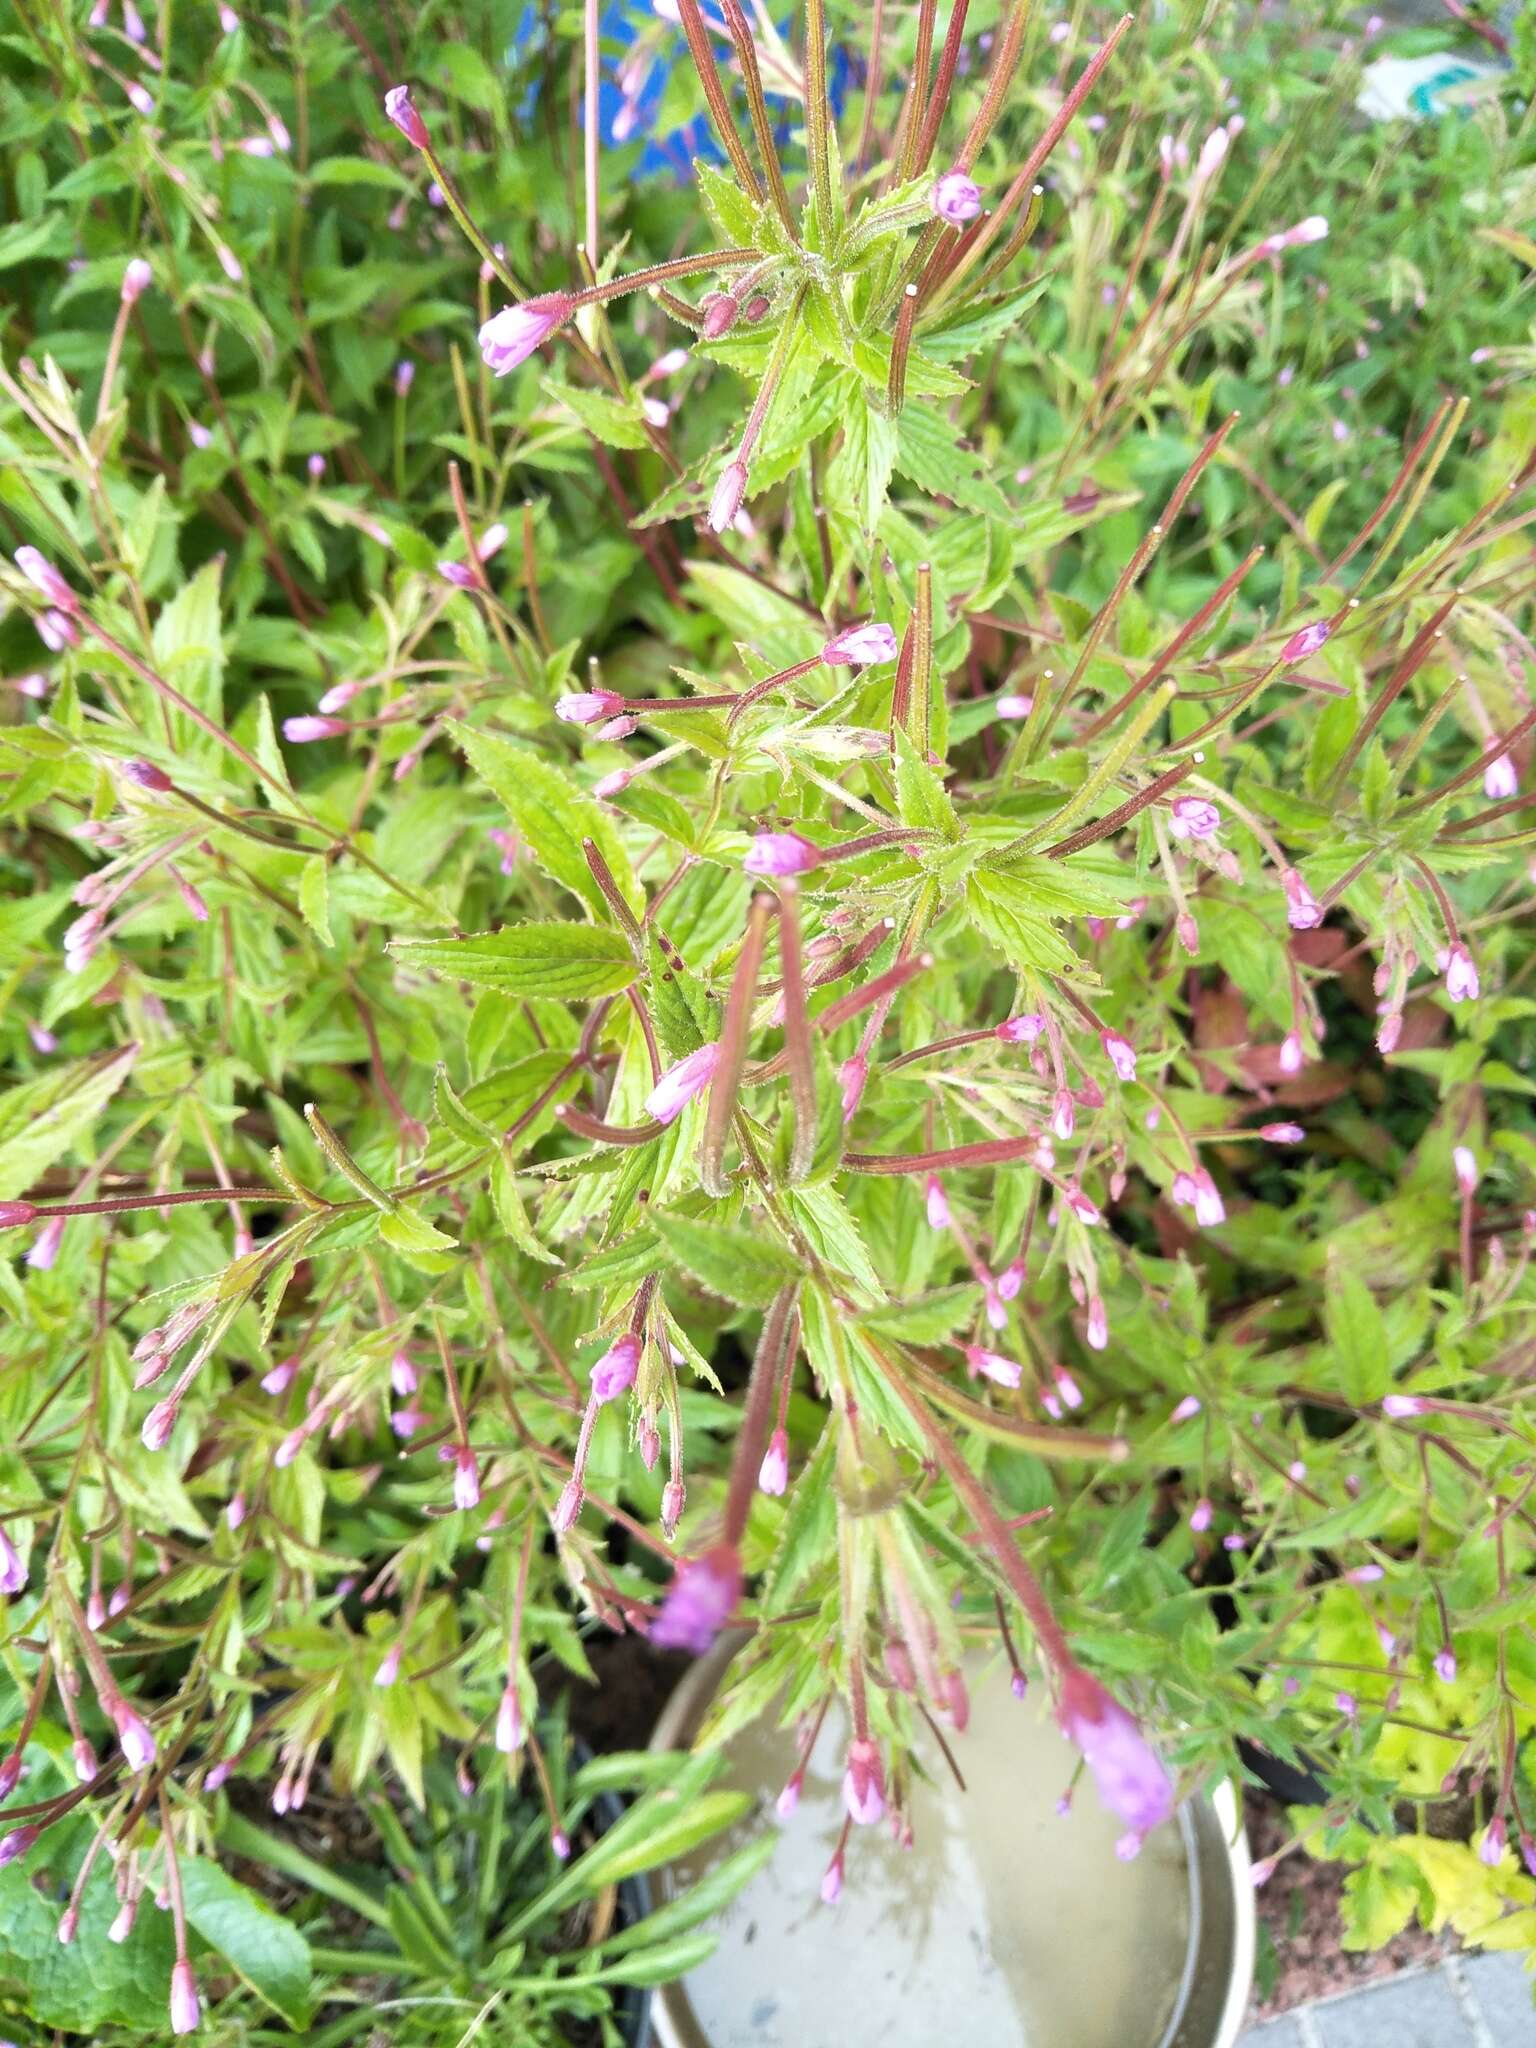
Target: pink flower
1096	1328
681	1082
1461	982
43	576
140	98
137	279
1302	910
1209	1207
1013	706
992	1365
16	1843
831	1878
122	1923
784	1806
1192	817
614	1373
229	263
1282	1134
780	853
1130	1777
186	2008
567	1507
1307	641
1490	1849
728	494
773	1473
133	1735
1212	154
397	105
1401	1406
511	336
466	1479
307	727
158	1424
45	1248
1291	1057
956	198
1464	1159
858	646
1187	1409
700	1600
1122	1054
13	1573
1022	1030
145	775
389	1668
1445	1665
1313	229
1364	1574
1063	1114
405	376
588	707
936	1203
1200	1516
864	1784
1500	779
509	1721
316	467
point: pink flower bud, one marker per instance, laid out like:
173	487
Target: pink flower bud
1291	1056
773	1473
614	1373
316	467
43	576
673	1500
137	279
1500	779
1212	154
864	1784
700	1600
405	376
13	1573
936	1203
586	707
1063	1115
13	1215
859	646
831	1879
992	1365
158	1424
1200	1516
1131	1780
140	98
681	1082
852	1078
1313	229
1490	1849
306	728
1187	1409
1445	1665
1401	1406
1071	1393
721	313
86	1764
397	105
956	198
186	2008
567	1508
122	1925
229	262
466	1479
1013	706
1364	1574
1464	1159
389	1668
133	1735
1096	1329
780	853
728	494
1011	1279
1281	1134
511	336
789	1798
1307	641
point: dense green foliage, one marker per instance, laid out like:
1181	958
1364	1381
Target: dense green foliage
384	1001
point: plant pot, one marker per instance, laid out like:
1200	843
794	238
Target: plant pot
1004	1924
633	2002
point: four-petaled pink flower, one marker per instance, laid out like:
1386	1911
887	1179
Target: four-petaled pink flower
700	1600
397	105
1193	817
956	198
1122	1054
1022	1030
614	1373
859	646
1130	1776
780	853
680	1083
511	336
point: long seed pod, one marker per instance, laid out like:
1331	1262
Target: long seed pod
734	1032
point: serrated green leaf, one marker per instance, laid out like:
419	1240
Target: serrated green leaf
729	1260
556	963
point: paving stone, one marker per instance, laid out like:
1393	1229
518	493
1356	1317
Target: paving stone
1418	2011
1502	1990
1281	2033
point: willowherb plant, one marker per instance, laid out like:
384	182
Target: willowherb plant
895	984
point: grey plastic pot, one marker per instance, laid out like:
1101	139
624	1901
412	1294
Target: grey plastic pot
1004	1925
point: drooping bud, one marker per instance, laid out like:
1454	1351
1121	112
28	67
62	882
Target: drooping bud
864	1783
773	1473
466	1479
1302	910
992	1365
133	1734
303	730
159	1423
1201	1516
789	1798
1121	1054
389	1668
397	105
673	1501
1460	970
700	1600
568	1507
728	494
936	1203
680	1083
186	2007
1130	1776
509	1721
614	1373
1464	1159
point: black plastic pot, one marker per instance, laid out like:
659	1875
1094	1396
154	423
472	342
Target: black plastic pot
634	2000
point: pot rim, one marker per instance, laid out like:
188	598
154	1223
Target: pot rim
672	2017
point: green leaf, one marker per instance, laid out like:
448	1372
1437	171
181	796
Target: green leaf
556	963
978	325
552	816
616	422
920	795
675	1825
741	1265
1358	1336
40	1120
266	1950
